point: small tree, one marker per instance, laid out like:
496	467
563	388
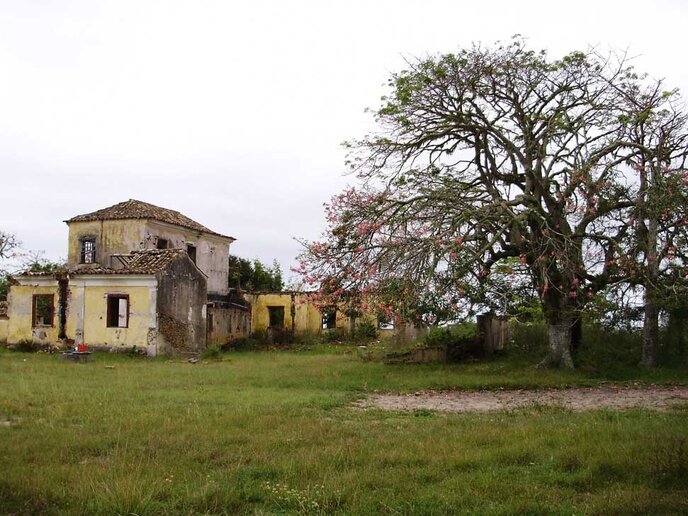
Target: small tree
488	155
9	246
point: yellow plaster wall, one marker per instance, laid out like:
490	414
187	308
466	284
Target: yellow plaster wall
19	328
112	237
307	317
96	332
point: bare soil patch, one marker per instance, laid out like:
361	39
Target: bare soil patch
607	397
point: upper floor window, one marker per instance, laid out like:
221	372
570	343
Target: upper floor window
88	250
162	243
191	251
43	310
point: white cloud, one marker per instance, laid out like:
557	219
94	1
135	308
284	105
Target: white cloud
233	112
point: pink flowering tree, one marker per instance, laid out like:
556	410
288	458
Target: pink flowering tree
491	165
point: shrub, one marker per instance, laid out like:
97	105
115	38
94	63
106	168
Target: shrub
211	352
334	335
460	341
242	343
530	337
366	330
25	346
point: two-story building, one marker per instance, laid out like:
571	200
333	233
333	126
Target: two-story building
137	275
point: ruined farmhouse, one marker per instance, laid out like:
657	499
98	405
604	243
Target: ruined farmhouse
143	276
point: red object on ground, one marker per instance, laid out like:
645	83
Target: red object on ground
81	348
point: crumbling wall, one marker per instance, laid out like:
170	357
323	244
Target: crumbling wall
301	315
212	251
181	306
227	323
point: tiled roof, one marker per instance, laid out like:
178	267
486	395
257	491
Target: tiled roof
133	209
149	261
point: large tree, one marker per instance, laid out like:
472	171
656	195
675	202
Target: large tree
656	134
485	157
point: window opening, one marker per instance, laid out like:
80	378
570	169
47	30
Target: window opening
162	243
276	316
88	250
191	251
43	310
117	311
385	324
329	319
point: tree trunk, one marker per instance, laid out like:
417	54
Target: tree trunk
559	336
651	320
650	329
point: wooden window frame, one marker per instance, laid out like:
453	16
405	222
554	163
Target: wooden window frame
83	253
108	317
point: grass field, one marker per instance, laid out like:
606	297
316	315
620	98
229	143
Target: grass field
273	433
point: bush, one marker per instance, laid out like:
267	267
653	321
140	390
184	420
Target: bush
529	338
366	330
211	352
609	349
241	344
460	341
26	346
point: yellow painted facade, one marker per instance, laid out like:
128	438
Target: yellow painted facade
112	237
87	316
124	236
306	318
20	324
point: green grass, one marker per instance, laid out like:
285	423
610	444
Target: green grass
273	433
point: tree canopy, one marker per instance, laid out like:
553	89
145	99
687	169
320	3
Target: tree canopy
247	275
501	166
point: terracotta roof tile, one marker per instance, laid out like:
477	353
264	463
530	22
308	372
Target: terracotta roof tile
133	209
150	261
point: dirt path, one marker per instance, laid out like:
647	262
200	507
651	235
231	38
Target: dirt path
608	397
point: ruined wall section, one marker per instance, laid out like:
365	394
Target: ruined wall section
226	324
300	313
181	306
212	251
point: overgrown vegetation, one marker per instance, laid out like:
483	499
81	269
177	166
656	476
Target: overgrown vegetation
255	276
274	433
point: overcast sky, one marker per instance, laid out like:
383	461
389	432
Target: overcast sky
233	112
